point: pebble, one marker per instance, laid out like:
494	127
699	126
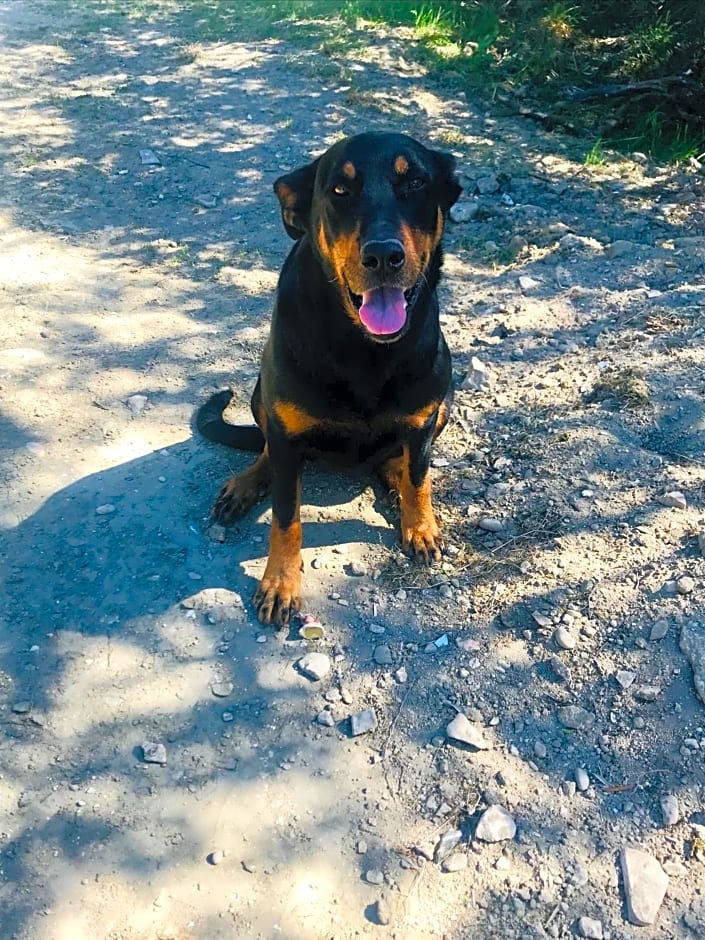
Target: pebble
659	630
377	629
674	498
215	858
647	693
374	876
22	708
625	678
346	696
645	884
478	377
455	862
361	847
639	723
363	722
569	788
685	585
575	717
222	689
590	928
463	212
540	750
582	780
357	569
487	185
216	532
541	619
315	665
383	655
565	638
401	675
560	668
488	524
382	912
446	844
153	752
105	510
326	719
463	730
528	283
495	825
136	404
692	645
205	200
670	810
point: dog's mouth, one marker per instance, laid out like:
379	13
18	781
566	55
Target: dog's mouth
383	311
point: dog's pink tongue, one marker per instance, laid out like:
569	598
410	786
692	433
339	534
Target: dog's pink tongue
383	310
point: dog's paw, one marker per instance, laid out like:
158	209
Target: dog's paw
423	541
277	598
235	498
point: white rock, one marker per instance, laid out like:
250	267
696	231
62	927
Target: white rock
582	780
645	884
463	212
455	862
401	675
463	730
487	185
528	283
374	877
137	403
625	678
314	665
488	524
105	510
674	498
565	639
659	630
153	752
478	378
590	928
446	844
495	825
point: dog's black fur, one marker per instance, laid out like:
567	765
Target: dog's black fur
367	217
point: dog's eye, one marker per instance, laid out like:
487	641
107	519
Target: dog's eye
340	191
416	183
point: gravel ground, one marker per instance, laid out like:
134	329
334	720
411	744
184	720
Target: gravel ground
530	759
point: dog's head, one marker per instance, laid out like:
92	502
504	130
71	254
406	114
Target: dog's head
373	207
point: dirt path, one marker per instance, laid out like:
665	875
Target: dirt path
119	279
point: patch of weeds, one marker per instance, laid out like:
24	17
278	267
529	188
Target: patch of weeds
596	154
620	388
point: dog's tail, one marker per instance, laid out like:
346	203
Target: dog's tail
209	421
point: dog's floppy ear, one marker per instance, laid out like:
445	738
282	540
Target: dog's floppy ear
450	188
295	194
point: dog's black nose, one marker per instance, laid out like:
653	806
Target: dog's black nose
383	256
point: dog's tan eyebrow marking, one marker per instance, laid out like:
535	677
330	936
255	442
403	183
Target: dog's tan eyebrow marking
401	165
349	170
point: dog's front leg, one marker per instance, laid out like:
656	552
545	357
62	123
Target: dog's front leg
278	596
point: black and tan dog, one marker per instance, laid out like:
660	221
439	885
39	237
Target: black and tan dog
356	370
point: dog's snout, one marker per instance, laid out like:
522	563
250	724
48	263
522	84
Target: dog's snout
383	256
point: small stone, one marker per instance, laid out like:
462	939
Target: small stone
540	750
374	877
382	912
647	693
621	249
675	498
361	847
625	678
446	844
560	668
463	212
105	510
363	722
314	666
487	185
528	283
639	723
216	533
149	158
215	858
488	524
478	378
569	788
659	630
357	569
325	718
685	585
590	928
153	752
346	696
205	200
228	716
541	619
565	639
495	825
22	708
401	675
463	730
455	862
222	688
575	717
645	884
383	655
670	810
136	404
582	780
692	645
